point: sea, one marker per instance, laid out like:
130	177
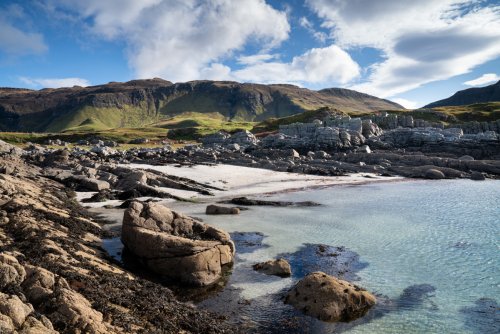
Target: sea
428	250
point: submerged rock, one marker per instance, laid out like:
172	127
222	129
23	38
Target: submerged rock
221	210
176	246
329	299
279	267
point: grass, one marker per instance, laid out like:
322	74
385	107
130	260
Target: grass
22	137
90	118
481	112
193	125
187	126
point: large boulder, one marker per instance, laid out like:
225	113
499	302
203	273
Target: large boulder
279	267
176	246
329	298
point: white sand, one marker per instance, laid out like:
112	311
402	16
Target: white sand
246	181
235	180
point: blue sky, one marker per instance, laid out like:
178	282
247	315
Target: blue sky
412	52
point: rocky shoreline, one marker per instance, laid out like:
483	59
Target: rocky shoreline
56	277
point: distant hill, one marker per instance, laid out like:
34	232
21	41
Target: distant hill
141	102
489	93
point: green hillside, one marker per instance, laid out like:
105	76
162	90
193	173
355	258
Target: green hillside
141	102
92	118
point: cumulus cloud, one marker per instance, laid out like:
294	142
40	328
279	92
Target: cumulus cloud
179	40
484	79
316	66
422	41
15	41
54	82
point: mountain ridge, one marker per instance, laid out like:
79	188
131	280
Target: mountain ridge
469	96
140	102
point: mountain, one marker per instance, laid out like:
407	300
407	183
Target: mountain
140	102
489	93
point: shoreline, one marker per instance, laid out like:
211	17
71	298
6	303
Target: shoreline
239	184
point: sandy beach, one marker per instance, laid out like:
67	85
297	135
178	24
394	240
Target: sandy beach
247	181
237	181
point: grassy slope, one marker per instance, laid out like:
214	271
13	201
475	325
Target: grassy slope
186	126
94	119
193	125
482	112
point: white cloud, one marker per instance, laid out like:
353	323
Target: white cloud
483	80
179	40
54	82
318	65
408	104
421	41
306	24
15	41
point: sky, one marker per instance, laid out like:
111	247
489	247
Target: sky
411	52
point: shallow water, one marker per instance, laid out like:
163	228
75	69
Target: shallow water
430	249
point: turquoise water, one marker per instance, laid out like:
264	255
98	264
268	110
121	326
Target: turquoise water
440	236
